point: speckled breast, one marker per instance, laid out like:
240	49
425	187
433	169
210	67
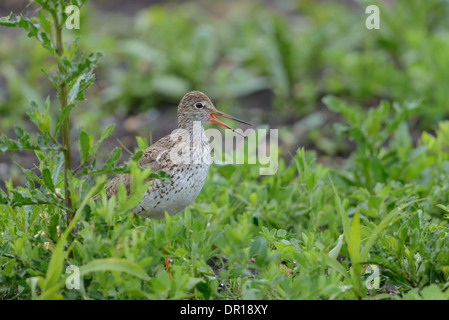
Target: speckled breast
186	182
185	185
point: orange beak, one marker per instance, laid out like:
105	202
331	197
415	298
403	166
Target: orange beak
218	113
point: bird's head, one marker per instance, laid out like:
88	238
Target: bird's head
196	106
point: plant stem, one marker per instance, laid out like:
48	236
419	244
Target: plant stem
66	123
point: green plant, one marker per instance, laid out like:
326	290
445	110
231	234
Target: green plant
310	231
52	186
74	76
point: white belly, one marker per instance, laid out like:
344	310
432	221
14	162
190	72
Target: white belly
174	197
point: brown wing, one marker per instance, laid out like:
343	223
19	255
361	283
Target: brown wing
151	154
149	159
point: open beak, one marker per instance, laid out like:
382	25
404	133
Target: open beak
218	113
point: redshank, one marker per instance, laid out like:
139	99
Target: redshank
184	155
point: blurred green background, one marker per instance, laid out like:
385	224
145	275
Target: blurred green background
268	62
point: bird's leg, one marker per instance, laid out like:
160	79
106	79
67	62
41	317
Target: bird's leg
167	259
167	262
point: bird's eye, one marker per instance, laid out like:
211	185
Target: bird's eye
199	105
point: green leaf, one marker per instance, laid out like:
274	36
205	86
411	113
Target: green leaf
59	162
75	89
257	244
8	21
336	250
281	233
110	167
342	212
55	266
137	155
85	145
104	135
114	264
337	105
41	120
52	228
24	143
33	30
44	23
142	143
33	282
333	263
113	158
64	114
443	207
354	239
46	177
107	132
30	196
390	218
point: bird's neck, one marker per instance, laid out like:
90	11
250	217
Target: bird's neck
189	124
194	129
198	141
